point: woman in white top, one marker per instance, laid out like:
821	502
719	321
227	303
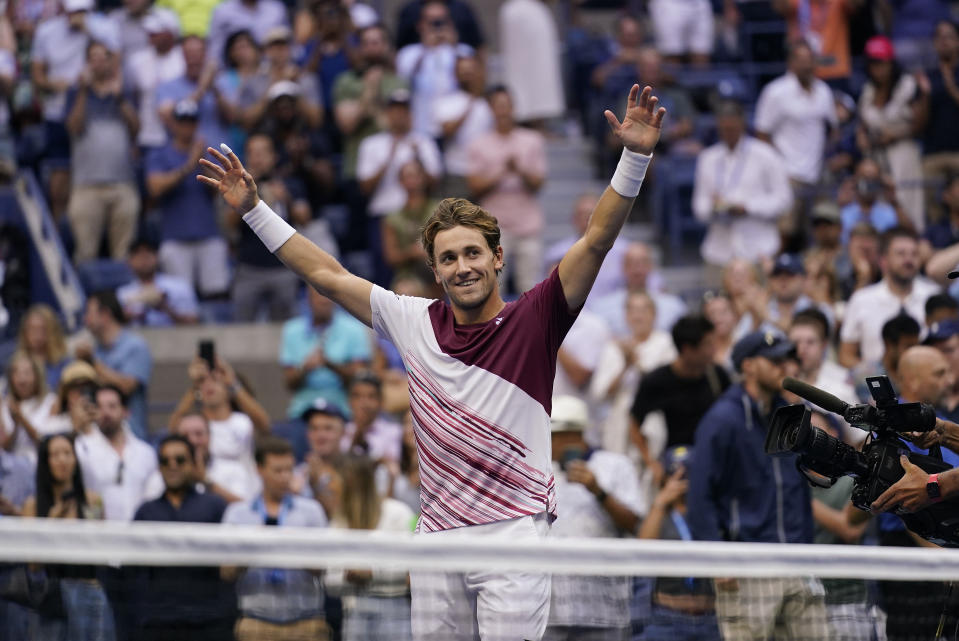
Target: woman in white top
25	414
376	602
623	362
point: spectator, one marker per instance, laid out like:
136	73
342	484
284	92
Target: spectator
429	65
277	604
683	30
234	418
741	190
63	494
75	407
940	307
899	333
680	392
316	477
190	603
320	353
825	24
718	309
154	299
379	605
255	16
937	112
858	265
809	332
241	62
944	336
159	62
119	356
405	476
578	359
826	239
887	116
728	470
17	484
402	249
638	270
192	247
683	609
461	13
507	168
622	365
787	287
602	499
41	336
195	428
910	24
102	121
945	232
461	117
26	407
530	47
370	433
327	53
901	288
624	53
115	463
132	20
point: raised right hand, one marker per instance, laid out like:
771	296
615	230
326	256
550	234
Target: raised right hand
234	183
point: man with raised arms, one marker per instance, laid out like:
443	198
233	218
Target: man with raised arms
480	374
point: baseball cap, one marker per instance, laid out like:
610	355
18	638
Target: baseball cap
280	33
78	371
788	264
826	211
283	88
161	21
570	414
941	331
77	5
186	110
768	344
399	97
323	406
880	48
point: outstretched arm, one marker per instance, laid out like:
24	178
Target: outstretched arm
639	133
310	263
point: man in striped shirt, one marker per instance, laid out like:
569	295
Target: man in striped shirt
480	373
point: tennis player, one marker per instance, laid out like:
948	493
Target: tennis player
480	375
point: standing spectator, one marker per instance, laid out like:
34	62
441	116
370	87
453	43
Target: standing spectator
887	116
26	407
188	603
507	168
119	356
825	25
429	65
370	433
402	249
376	601
327	53
461	12
602	499
529	41
810	333
241	61
316	477
41	336
740	191
103	123
901	288
683	30
320	352
63	494
738	493
154	299
191	245
132	20
255	16
277	604
461	117
115	463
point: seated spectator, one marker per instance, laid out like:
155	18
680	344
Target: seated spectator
683	31
624	52
370	432
461	117
623	363
945	232
63	494
160	61
378	606
195	428
132	20
429	65
103	123
327	52
941	307
857	266
115	463
191	245
461	13
405	475
810	333
234	418
316	477
507	168
119	356
718	309
901	289
786	293
529	44
402	249
41	336
26	407
190	603
255	16
741	190
602	499
320	353
826	232
154	299
75	408
277	603
899	333
875	202
638	272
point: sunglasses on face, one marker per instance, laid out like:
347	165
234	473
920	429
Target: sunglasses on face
168	461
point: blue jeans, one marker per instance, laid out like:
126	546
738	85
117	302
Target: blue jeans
672	625
89	617
378	619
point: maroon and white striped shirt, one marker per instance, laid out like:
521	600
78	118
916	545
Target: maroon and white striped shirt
480	396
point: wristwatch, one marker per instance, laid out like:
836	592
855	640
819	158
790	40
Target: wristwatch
932	488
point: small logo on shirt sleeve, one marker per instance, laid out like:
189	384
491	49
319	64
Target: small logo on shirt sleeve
499	320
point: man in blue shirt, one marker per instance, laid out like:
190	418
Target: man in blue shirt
120	357
17	479
186	603
738	493
870	205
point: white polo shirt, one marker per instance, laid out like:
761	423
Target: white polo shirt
121	480
389	195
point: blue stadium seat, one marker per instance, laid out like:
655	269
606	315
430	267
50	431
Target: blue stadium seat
96	275
293	431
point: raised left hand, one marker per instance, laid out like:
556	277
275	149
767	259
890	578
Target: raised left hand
643	122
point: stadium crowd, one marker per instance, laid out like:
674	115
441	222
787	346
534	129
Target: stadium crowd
824	178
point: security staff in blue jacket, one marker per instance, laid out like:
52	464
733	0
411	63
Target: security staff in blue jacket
738	493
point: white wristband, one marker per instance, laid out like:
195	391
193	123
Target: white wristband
629	174
271	229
